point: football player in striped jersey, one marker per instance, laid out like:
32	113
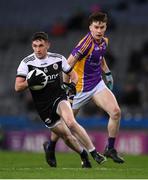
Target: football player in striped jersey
51	102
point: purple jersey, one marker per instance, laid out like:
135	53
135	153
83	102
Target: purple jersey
88	67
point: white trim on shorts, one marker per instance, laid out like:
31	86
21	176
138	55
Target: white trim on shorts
54	125
83	98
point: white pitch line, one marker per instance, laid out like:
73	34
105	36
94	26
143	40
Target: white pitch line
104	169
68	168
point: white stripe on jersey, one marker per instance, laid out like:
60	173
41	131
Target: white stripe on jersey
51	59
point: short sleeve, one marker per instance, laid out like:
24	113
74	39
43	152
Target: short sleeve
65	66
22	69
83	47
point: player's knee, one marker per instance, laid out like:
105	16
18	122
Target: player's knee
71	122
72	125
116	114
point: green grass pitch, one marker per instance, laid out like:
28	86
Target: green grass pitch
25	165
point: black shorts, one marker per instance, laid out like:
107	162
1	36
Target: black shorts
47	111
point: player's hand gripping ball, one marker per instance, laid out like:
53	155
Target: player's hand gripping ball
36	79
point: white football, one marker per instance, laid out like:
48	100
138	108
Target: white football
38	87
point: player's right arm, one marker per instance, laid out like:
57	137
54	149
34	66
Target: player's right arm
80	50
71	61
78	53
20	81
20	84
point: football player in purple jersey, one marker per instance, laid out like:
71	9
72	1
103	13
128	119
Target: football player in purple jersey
88	61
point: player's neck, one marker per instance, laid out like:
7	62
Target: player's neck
98	41
42	58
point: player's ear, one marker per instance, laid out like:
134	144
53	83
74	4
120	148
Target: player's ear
32	45
105	27
90	27
48	45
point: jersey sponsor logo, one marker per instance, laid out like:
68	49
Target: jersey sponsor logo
94	63
52	77
43	64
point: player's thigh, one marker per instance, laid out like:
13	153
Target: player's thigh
106	100
61	129
65	111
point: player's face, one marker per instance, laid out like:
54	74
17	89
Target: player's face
98	29
40	48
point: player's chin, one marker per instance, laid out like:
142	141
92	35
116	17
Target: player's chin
98	37
39	56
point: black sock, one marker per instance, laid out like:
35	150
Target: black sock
83	154
93	153
111	142
52	145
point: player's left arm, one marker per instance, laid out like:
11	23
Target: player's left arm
108	74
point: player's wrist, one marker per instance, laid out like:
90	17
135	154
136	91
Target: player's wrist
108	73
109	80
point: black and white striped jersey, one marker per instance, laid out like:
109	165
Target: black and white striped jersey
53	66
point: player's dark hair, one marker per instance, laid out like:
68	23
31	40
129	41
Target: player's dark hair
40	36
97	16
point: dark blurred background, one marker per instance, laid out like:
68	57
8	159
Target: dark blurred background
66	23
